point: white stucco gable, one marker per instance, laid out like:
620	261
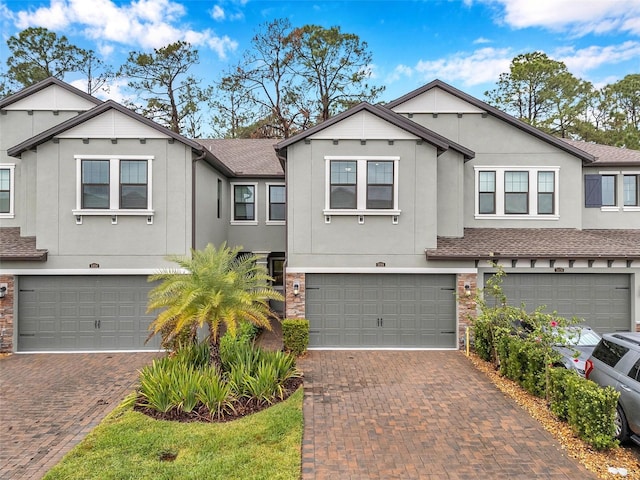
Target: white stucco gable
52	98
436	100
363	125
112	124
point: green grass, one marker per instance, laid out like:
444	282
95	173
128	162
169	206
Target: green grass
128	445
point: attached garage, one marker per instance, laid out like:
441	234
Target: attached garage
381	310
603	300
83	313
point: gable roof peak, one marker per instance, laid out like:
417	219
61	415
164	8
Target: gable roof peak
41	85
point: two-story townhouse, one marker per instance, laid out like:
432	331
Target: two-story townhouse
391	234
98	197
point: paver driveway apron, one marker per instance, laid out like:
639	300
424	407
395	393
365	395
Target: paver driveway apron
49	402
418	414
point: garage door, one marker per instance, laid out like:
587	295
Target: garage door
603	300
83	313
381	310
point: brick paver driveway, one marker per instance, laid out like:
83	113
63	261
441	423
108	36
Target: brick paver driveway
49	402
418	414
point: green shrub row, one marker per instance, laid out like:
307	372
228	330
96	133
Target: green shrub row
295	335
185	382
588	408
523	362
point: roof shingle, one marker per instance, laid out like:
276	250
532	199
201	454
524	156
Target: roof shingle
17	248
246	157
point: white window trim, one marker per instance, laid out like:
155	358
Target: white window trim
630	208
12	190
361	186
255	204
114	186
268	203
533	193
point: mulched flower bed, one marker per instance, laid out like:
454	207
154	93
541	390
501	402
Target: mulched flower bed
605	464
242	408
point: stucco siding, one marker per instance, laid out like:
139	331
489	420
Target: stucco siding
617	216
212	219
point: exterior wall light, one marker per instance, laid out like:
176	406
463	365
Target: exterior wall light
467	290
296	289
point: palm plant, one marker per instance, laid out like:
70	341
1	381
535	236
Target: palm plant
214	287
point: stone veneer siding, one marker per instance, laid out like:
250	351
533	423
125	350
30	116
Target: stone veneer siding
295	304
6	315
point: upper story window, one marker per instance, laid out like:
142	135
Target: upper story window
631	190
509	192
602	191
276	203
6	190
361	186
243	203
113	185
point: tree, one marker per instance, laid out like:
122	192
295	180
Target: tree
335	66
541	92
294	78
98	73
221	287
621	104
37	53
161	78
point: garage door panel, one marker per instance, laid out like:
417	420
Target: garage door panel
83	313
601	300
393	310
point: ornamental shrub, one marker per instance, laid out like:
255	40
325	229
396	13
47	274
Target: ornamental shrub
295	335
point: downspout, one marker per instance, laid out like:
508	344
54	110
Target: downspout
193	197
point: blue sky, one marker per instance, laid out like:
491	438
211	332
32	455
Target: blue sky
464	43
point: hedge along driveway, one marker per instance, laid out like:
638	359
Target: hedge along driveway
418	415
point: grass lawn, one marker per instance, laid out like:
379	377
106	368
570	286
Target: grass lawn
130	445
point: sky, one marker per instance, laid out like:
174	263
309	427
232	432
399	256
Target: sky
466	43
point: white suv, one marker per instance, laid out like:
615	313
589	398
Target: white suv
615	362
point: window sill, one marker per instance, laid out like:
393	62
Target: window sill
7	215
109	212
631	209
243	222
609	209
391	213
516	217
276	222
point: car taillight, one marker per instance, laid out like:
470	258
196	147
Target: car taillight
588	368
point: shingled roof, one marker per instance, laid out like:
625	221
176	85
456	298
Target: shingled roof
513	243
246	157
17	248
608	155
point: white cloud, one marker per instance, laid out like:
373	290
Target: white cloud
579	18
400	72
482	66
217	13
142	23
481	40
581	61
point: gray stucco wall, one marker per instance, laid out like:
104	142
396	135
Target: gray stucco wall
212	221
499	144
131	243
255	238
610	217
344	242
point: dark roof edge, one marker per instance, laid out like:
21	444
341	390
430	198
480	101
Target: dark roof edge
98	110
36	87
524	257
584	156
25	258
399	121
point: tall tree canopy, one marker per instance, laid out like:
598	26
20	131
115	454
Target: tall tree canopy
541	92
293	77
170	95
621	108
37	53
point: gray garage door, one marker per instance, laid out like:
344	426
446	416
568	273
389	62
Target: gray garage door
75	313
381	310
603	300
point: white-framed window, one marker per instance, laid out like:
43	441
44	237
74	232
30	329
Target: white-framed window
608	190
114	185
7	190
276	203
357	185
631	190
244	203
516	192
